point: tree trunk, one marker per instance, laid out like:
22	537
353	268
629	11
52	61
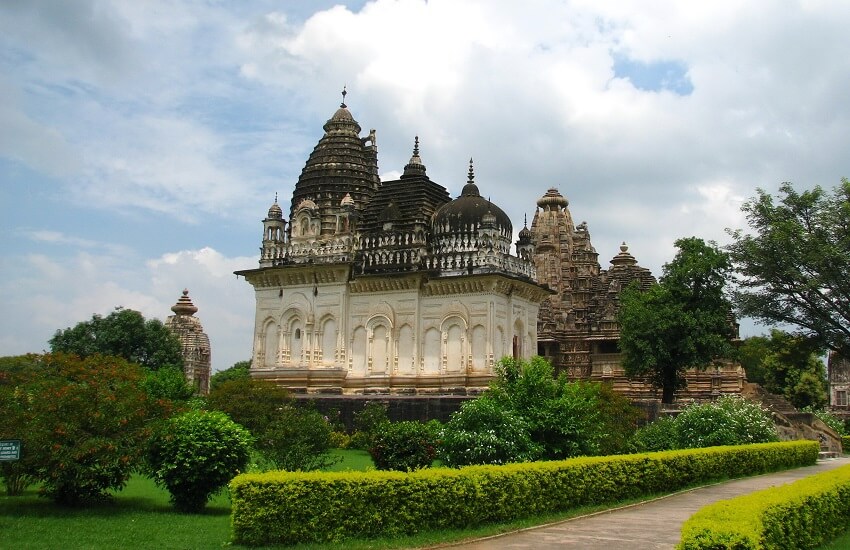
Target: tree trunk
668	393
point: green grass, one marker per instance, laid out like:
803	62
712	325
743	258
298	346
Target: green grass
840	543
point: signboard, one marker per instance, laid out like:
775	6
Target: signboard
10	449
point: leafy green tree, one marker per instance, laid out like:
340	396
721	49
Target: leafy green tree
123	333
751	353
239	371
167	383
297	440
252	403
368	422
794	265
195	455
790	365
680	323
83	422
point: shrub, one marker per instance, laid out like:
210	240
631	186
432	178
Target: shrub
731	420
83	423
661	435
405	446
297	439
340	440
483	432
803	514
290	508
845	443
195	454
239	371
366	425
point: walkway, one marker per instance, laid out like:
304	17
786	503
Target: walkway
652	525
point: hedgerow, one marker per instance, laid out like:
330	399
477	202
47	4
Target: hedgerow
803	514
294	507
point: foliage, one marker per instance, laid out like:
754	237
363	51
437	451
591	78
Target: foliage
83	422
793	264
123	333
680	323
251	403
405	446
367	423
788	365
239	371
660	435
297	439
196	454
288	508
167	383
482	431
731	420
803	514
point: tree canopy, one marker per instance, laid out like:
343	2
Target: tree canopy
794	267
788	365
680	323
123	333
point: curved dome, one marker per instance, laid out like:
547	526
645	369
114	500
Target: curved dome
275	212
552	198
470	211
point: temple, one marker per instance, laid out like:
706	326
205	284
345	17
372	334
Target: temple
194	342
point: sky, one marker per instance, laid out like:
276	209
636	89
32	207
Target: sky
142	143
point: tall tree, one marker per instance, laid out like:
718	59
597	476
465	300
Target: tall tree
123	333
680	323
794	268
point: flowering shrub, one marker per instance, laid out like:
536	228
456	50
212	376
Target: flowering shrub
484	432
83	423
829	419
405	446
731	420
196	454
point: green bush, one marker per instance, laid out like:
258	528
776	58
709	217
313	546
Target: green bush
829	419
731	420
484	432
83	423
297	439
248	402
405	446
845	443
290	508
367	423
661	435
195	454
803	514
340	440
167	383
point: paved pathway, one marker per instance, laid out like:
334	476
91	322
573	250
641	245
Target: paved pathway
648	526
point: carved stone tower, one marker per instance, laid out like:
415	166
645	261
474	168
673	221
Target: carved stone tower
195	342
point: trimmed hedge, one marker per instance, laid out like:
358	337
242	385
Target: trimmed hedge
845	443
803	514
293	507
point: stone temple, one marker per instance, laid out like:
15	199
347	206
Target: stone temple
194	341
391	287
395	288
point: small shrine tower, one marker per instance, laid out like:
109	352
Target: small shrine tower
195	343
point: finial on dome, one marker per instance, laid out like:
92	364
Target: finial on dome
624	247
471	176
415	165
184	305
275	197
344	93
525	220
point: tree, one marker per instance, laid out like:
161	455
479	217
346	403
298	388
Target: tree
680	323
196	455
239	371
83	423
252	403
794	268
123	333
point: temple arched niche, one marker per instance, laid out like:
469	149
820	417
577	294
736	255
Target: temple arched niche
379	329
431	351
479	348
328	338
519	339
454	332
358	351
405	347
271	343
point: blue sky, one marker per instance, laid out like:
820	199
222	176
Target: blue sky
143	142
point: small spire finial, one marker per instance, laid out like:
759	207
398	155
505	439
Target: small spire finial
416	146
275	197
525	220
344	93
471	172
